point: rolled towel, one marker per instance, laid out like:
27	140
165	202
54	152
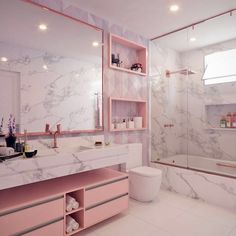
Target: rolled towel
6	151
75	225
69	229
71	202
75	205
71	223
70	199
69	207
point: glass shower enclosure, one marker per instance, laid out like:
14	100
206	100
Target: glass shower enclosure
193	96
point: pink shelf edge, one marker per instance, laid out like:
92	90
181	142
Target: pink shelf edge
143	112
66	213
128	99
127	70
131	44
127	42
121	130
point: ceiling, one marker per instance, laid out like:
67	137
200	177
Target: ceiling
214	31
152	18
64	37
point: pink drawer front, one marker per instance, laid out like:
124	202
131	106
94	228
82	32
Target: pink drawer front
49	230
106	192
105	211
25	219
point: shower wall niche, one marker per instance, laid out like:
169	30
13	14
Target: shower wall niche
216	112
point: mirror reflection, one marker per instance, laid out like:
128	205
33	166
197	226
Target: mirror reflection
50	69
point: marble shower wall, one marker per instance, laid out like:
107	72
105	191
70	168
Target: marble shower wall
202	115
116	83
168	104
196	185
181	100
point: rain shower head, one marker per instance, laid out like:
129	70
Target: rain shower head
182	72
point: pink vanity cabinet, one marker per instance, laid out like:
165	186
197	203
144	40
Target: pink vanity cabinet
40	208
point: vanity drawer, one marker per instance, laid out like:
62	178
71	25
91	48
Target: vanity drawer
24	219
105	192
105	211
49	230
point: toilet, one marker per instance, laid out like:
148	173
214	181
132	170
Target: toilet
144	181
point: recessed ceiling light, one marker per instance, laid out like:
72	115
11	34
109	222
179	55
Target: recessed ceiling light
174	8
45	67
4	59
192	39
95	44
43	27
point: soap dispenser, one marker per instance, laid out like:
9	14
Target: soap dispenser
229	120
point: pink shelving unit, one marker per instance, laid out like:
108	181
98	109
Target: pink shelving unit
123	108
129	52
40	208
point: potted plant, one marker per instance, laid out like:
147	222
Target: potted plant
11	137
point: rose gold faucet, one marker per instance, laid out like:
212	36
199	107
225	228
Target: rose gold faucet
55	133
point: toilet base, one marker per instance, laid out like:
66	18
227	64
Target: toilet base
144	189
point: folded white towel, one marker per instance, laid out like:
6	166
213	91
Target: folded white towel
75	225
71	203
75	205
71	223
6	151
69	229
69	207
70	199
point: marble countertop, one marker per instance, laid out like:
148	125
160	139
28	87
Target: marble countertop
52	163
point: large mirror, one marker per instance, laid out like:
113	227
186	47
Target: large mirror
50	69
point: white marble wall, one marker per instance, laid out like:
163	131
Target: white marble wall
115	83
167	103
201	141
210	188
181	100
63	93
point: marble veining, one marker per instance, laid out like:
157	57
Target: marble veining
185	102
66	160
213	189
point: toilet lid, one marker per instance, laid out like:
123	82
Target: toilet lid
146	171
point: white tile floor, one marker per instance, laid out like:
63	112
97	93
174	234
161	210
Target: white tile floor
169	215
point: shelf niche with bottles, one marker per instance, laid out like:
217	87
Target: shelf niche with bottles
221	116
127	114
127	56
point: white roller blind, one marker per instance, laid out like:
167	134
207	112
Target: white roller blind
220	67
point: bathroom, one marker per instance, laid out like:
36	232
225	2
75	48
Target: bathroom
133	133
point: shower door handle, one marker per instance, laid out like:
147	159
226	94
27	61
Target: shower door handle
226	165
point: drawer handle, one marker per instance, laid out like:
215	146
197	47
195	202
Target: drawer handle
103	184
38	227
106	201
30	205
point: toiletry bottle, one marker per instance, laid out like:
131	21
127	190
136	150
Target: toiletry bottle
234	120
229	120
18	146
223	122
124	124
26	145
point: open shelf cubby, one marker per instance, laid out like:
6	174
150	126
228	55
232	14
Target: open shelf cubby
79	218
129	53
214	112
123	108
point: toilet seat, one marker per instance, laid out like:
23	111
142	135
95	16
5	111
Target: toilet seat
146	171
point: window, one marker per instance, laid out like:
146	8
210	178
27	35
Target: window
220	67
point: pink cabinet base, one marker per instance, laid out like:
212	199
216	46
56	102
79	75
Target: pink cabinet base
101	194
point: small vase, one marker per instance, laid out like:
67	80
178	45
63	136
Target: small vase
11	140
